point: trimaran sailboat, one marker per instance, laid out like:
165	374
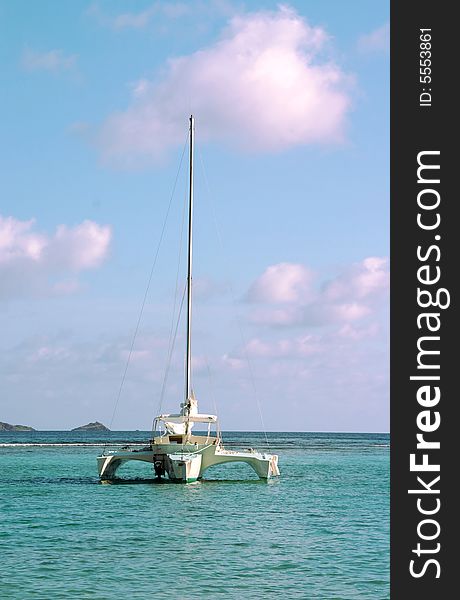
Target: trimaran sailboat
177	453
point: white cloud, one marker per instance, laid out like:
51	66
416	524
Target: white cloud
30	261
363	280
341	365
351	296
84	246
376	41
16	240
342	371
263	86
283	282
329	380
351	312
53	60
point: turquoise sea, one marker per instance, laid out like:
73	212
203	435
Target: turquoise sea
320	531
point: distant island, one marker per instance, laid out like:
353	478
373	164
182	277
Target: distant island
96	426
8	427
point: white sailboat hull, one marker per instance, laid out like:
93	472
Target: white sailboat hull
186	463
183	467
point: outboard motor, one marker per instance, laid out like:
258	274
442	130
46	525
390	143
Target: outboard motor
159	468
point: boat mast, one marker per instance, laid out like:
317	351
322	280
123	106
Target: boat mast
188	372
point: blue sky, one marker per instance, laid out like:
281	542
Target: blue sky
292	130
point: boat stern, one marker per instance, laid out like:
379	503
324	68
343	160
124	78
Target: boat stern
184	468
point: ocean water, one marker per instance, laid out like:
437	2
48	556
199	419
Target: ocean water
320	531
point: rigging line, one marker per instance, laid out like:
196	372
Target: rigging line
176	291
253	382
232	295
147	288
213	396
165	378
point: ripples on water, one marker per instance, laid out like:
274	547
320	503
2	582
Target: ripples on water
319	532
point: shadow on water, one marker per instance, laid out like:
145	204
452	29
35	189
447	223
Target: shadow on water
87	481
169	482
120	481
52	480
135	481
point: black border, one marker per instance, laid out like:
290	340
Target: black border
415	128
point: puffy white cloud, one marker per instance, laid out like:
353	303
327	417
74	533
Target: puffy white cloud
349	297
341	370
363	280
263	86
30	262
333	356
351	312
17	241
283	282
81	247
53	60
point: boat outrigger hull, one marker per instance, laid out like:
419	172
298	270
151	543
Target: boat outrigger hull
185	463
